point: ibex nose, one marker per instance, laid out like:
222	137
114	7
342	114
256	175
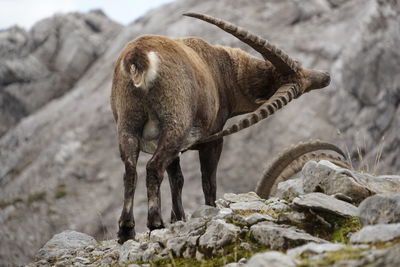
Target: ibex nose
326	80
316	79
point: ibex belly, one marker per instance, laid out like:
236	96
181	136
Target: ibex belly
151	133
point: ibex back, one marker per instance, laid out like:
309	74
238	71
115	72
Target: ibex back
170	95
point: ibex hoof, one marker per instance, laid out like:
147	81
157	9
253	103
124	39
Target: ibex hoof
155	224
125	233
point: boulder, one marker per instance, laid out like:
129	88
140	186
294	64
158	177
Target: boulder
244	197
380	209
177	245
193	227
280	237
271	259
377	233
277	205
246	208
290	188
130	251
218	234
256	218
47	61
330	179
388	257
205	211
322	202
313	249
161	235
64	242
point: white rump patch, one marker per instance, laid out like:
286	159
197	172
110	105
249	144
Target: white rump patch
151	73
122	66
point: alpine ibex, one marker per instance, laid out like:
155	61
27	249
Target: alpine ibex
170	95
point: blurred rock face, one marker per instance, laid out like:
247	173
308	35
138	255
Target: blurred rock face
59	166
44	63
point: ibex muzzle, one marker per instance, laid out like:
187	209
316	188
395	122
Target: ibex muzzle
170	95
314	79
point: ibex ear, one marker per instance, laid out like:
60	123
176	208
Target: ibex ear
137	76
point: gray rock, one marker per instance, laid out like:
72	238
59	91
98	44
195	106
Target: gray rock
270	259
249	207
161	235
115	255
279	237
292	217
313	248
224	213
244	197
64	242
276	204
81	260
331	179
151	252
191	247
319	201
129	252
222	203
193	227
380	209
388	257
290	188
217	235
46	62
205	211
108	244
143	236
234	264
256	218
177	245
376	233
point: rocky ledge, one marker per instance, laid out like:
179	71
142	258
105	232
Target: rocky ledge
320	223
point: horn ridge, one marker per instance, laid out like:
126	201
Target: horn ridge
279	164
264	111
282	62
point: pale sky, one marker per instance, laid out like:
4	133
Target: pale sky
26	12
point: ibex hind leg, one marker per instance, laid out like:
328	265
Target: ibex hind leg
129	148
169	145
176	183
209	157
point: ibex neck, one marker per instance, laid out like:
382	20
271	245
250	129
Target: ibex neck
255	79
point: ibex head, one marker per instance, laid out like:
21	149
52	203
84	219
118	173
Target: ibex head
313	79
294	79
289	68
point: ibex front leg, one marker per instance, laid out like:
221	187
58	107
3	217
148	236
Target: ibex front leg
168	148
129	148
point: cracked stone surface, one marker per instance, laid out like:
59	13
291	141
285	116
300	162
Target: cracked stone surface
326	203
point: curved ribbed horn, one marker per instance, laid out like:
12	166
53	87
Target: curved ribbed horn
285	159
298	164
281	97
282	62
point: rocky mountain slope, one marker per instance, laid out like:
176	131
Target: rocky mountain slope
306	229
59	163
44	63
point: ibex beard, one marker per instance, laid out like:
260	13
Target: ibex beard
171	95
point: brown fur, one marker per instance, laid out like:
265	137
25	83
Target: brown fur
196	89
